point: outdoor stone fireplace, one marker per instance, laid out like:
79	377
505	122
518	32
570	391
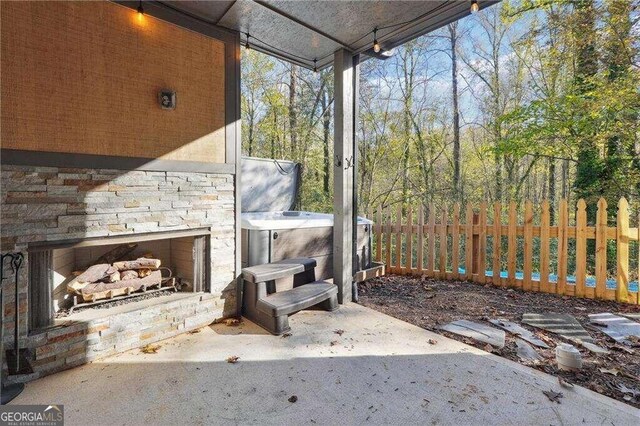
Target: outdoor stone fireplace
91	160
64	219
55	267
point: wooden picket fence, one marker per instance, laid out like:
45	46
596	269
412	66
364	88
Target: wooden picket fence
407	245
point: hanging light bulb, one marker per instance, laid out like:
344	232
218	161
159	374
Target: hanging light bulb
474	6
247	46
140	11
315	65
376	45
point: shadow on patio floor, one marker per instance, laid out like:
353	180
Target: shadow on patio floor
380	370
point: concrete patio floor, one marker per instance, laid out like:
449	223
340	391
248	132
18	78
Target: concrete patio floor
380	371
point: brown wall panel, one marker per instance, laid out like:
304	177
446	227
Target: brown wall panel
83	77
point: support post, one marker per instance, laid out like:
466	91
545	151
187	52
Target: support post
345	87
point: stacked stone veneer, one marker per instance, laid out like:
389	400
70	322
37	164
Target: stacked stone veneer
42	204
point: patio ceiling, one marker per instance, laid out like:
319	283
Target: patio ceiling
304	31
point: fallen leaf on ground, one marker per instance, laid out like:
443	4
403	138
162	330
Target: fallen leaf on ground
197	330
633	341
624	389
564	383
432	342
625	349
232	322
150	349
613	371
339	332
553	396
488	348
333	343
233	359
285	335
293	398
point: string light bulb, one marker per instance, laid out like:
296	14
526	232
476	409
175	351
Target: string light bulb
140	11
247	46
474	6
376	45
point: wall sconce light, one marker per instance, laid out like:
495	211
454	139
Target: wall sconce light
140	11
167	99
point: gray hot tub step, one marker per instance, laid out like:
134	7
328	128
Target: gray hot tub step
270	308
296	299
276	270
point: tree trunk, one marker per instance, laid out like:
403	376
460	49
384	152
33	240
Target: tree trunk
456	113
588	168
273	135
293	118
250	137
551	188
409	70
498	180
326	132
565	179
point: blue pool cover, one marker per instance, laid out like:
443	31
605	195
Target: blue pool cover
571	280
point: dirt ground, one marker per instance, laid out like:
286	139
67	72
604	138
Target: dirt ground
429	303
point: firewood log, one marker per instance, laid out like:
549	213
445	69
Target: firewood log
128	275
144	272
118	253
112	278
96	273
141	263
134	284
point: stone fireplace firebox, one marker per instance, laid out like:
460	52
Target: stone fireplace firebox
53	266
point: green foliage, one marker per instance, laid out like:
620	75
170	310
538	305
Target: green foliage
593	119
549	108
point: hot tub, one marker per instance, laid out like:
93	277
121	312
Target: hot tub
276	235
271	231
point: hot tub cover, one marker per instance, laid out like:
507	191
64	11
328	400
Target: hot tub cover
268	185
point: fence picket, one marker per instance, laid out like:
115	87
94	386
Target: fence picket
468	245
497	243
511	244
601	249
545	221
409	242
581	249
442	266
387	239
455	242
563	225
636	297
527	283
581	252
622	274
378	237
482	244
399	269
420	238
431	252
